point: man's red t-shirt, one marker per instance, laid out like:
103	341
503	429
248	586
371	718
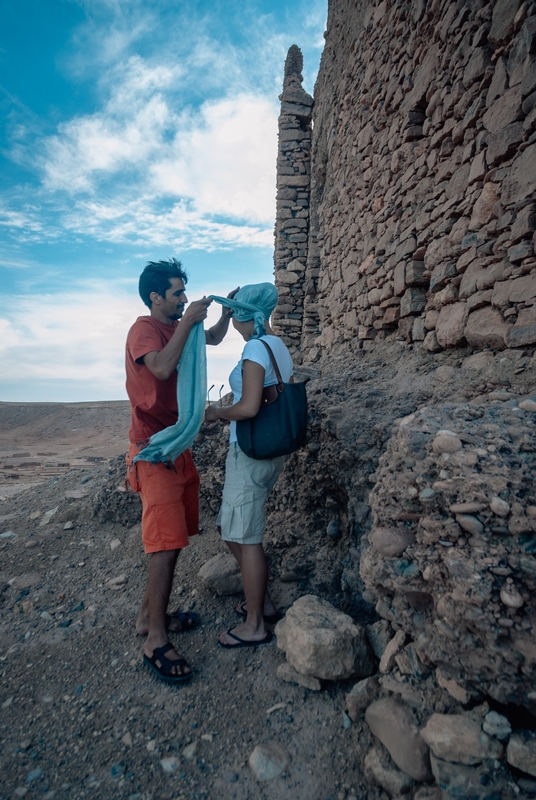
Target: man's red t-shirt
154	402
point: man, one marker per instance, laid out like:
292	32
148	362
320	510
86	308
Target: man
169	494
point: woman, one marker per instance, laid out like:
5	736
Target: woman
248	482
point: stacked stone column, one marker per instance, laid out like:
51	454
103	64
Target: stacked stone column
293	198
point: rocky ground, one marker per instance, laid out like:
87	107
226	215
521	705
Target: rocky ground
82	717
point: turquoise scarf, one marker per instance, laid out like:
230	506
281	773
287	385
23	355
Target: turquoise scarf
167	445
256	302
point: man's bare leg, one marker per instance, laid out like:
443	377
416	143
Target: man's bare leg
142	623
269	607
159	583
254	568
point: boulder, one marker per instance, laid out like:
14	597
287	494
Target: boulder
379	634
268	761
391	542
496	725
387	661
321	641
222	574
483	210
450	325
477	361
505	110
396	728
361	697
459	738
379	769
502	21
524	331
521	752
446	442
486	326
499	506
521	177
286	277
286	672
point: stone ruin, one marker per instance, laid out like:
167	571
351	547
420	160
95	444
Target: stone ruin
405	261
422	176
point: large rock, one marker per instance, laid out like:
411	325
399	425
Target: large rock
323	642
524	330
388	659
379	769
450	325
361	696
268	761
505	110
521	752
286	672
521	177
486	326
379	634
459	738
396	728
222	574
391	542
502	21
483	210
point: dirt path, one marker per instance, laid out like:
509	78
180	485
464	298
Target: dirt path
82	717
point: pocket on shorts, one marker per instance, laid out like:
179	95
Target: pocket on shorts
132	474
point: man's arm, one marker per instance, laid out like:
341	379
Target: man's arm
164	362
217	333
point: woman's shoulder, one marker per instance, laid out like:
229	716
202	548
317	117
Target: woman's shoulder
258	345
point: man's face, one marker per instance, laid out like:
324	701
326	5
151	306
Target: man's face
173	303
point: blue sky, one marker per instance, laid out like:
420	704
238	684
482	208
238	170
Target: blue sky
133	130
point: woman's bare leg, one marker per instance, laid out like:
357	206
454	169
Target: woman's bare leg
236	549
254	568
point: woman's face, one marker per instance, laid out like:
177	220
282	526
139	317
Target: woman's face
245	329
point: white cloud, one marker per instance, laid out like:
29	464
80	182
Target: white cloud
140	222
225	160
78	336
125	134
181	146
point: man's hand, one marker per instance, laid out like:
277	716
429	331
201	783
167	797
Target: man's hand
197	311
227	313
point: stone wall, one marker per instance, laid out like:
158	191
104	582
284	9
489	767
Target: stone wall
423	178
292	217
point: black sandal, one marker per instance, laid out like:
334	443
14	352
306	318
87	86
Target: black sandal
271	619
188	620
164	672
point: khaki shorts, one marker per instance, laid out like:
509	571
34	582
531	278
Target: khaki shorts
169	499
248	483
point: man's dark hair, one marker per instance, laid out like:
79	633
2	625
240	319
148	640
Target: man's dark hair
156	277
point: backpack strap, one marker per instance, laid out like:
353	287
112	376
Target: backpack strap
280	383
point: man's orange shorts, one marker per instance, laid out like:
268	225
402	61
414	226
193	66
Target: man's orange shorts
169	498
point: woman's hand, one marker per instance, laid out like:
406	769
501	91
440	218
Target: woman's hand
211	414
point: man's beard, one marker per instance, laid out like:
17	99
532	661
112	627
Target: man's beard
177	316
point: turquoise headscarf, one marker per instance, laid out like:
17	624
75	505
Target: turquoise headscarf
256	302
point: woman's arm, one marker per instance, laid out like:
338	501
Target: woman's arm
250	402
